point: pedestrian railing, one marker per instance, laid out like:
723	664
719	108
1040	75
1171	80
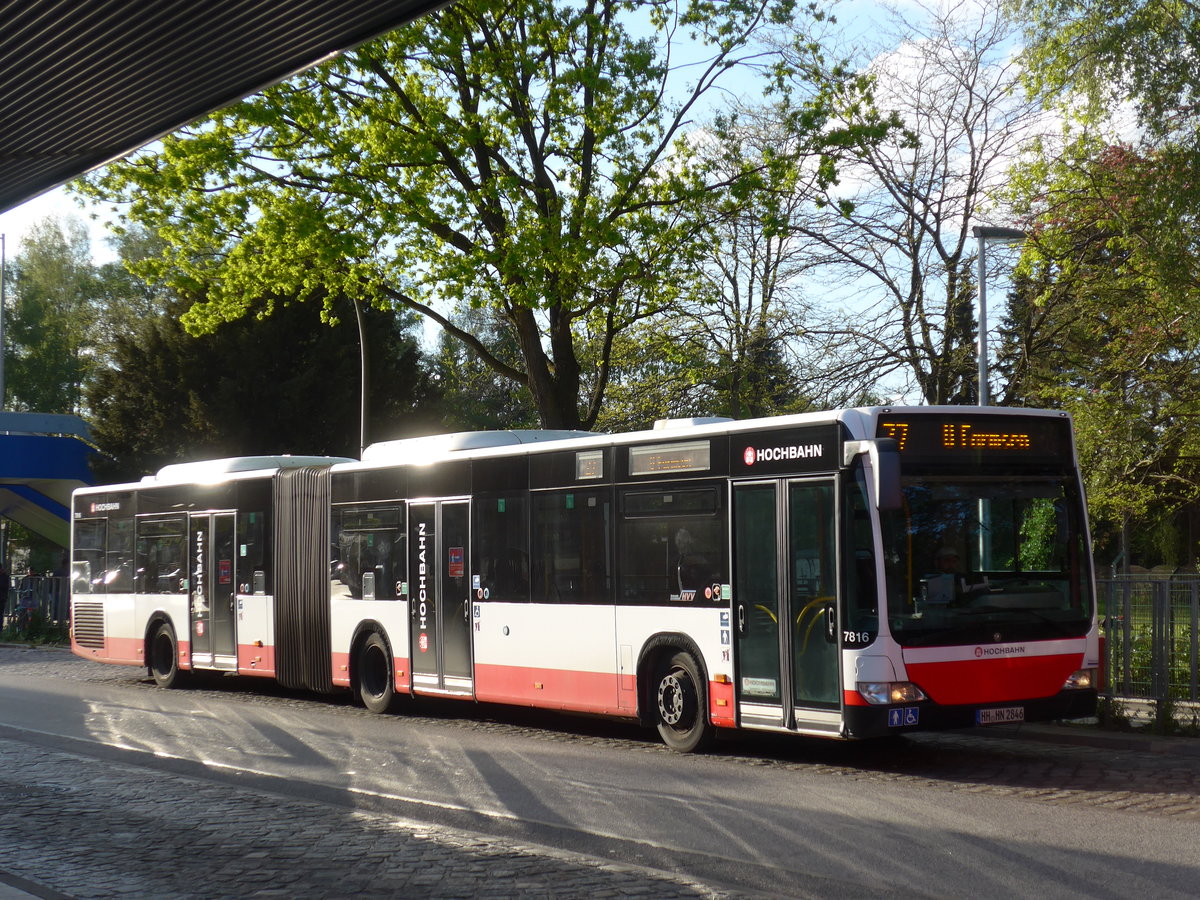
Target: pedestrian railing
41	598
1152	643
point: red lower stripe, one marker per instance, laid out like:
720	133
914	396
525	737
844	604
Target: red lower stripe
993	680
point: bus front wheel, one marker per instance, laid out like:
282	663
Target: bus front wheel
376	688
682	705
164	657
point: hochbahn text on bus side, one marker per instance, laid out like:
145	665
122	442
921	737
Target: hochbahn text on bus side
849	574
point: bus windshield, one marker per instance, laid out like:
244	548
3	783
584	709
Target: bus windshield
978	559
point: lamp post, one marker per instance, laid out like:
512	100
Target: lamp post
364	382
983	234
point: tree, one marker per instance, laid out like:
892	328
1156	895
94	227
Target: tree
285	384
50	331
521	157
896	225
1115	53
1106	324
739	324
1114	208
472	397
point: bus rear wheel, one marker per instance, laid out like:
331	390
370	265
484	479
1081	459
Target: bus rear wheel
164	657
682	705
376	688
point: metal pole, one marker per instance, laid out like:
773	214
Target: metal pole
982	342
364	385
985	233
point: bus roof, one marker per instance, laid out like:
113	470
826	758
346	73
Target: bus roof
215	469
435	446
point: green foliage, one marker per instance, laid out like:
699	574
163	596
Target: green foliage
517	157
35	629
1115	262
1038	530
51	328
287	384
27	550
472	398
1116	52
1105	322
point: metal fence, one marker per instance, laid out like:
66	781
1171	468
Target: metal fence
46	597
1152	643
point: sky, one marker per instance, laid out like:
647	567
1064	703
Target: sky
58	204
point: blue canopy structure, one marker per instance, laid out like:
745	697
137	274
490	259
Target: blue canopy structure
43	458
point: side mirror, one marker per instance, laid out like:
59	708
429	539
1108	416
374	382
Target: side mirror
884	454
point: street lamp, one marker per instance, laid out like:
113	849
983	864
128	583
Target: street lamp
364	378
985	233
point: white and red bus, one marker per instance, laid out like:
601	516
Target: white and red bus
847	574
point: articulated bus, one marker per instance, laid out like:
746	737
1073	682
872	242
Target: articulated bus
849	574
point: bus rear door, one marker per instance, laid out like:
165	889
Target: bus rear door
785	605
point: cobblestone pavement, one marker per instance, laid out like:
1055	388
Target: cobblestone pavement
113	830
84	827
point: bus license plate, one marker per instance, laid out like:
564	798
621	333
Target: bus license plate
1000	716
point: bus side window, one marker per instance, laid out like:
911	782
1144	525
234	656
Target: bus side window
367	557
671	545
254	552
88	562
161	566
501	547
571	558
118	574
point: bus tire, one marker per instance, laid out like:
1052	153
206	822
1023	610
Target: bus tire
682	705
164	657
376	688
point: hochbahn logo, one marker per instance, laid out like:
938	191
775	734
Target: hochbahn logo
753	455
422	590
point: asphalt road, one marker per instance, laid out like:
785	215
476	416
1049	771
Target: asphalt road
113	787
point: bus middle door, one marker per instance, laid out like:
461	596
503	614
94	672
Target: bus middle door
212	597
785	606
440	594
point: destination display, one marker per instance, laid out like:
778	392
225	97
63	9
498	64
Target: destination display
982	439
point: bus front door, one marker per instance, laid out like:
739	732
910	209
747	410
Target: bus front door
785	604
212	598
440	594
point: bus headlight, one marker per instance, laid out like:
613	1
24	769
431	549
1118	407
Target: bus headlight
1081	680
881	693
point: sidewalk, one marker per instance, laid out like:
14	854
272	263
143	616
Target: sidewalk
1091	735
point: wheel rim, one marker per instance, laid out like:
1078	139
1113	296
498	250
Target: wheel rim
676	700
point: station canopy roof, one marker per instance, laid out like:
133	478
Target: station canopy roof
83	82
